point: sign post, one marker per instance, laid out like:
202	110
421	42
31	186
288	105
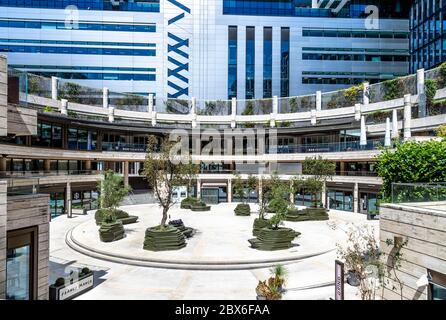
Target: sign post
339	280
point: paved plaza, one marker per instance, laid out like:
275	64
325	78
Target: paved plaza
217	262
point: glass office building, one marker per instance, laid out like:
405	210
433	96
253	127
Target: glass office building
428	33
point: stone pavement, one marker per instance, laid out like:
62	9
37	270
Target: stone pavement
310	278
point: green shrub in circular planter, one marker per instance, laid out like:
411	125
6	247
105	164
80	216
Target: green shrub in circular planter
259	223
163	239
111	231
200	206
119	215
242	209
188	202
274	239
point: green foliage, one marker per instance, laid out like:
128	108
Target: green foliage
70	91
177	106
85	271
412	162
242	209
48	109
294	107
249	108
392	89
242	188
441	131
59	282
430	89
112	190
443	74
318	167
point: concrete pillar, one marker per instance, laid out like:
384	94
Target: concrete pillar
64	107
68	200
198	189
229	191
111	114
342	168
395	132
363	138
260	192
407	117
275	110
421	91
233	112
46	165
357	112
105	97
150	101
313	117
318	100
3	236
420	81
193	112
324	195
3	164
366	93
88	165
356	198
126	173
387	141
54	83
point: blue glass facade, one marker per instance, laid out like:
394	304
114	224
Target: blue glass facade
285	62
77	50
428	33
123	5
303	8
267	62
250	62
38	24
232	62
88	43
98	76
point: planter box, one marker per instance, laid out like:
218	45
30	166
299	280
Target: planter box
72	290
274	239
200	208
308	214
242	209
258	224
109	232
169	238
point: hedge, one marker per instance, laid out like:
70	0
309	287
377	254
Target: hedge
163	239
109	232
242	209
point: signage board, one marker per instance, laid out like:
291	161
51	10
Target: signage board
339	280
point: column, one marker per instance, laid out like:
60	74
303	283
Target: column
105	97
68	200
126	173
342	168
355	198
365	93
260	192
407	117
275	112
3	236
198	189
54	93
318	100
395	133
193	112
421	93
229	191
88	165
363	138
3	164
291	193
387	141
64	107
46	165
233	112
324	195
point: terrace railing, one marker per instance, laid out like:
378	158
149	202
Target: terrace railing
419	192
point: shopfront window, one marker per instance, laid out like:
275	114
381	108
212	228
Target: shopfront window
340	200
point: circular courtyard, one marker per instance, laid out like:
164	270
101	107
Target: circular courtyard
220	241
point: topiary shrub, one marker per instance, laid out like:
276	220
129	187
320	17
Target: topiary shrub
258	224
111	215
200	206
188	202
111	231
274	239
242	209
59	282
163	239
308	214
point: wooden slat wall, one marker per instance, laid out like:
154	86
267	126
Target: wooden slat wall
3	96
2	239
28	211
426	247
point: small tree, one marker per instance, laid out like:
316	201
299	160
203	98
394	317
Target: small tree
112	190
280	201
361	255
163	173
320	171
243	188
191	171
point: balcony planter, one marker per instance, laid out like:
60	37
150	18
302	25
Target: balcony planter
273	239
259	223
111	231
308	214
200	206
242	209
179	224
164	239
67	289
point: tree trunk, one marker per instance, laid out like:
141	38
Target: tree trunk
164	219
